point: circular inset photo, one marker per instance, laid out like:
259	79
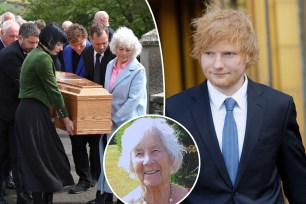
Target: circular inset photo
151	159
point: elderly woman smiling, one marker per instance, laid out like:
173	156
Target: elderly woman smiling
151	153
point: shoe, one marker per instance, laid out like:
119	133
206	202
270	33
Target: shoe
38	197
93	183
24	198
48	197
94	201
9	183
119	201
98	200
81	186
108	198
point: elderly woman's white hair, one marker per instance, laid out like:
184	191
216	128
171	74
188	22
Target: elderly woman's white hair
125	36
134	134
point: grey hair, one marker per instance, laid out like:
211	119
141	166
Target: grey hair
7	24
4	16
125	36
29	29
134	134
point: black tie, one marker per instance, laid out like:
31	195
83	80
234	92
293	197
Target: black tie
97	74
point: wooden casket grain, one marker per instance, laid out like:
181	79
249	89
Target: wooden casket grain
89	105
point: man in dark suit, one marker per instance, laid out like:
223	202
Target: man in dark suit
11	59
99	44
246	150
96	58
9	33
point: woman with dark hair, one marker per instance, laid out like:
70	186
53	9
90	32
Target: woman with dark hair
44	166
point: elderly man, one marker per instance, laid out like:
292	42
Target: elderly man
102	17
9	33
66	24
7	16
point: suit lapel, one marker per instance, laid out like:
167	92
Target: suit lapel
79	70
107	57
255	115
91	61
1	45
201	112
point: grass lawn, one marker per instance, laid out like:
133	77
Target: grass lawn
16	9
6	7
117	177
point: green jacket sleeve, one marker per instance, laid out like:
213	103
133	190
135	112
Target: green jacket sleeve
46	73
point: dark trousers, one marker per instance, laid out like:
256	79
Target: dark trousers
87	167
7	168
104	141
8	151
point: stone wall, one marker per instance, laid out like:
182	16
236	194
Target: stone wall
151	59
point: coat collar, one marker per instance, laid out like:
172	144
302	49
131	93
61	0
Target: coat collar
132	65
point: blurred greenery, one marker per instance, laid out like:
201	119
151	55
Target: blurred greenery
187	174
134	14
17	9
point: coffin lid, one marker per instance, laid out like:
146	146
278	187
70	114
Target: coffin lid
72	83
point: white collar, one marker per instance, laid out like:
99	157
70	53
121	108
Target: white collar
217	98
96	53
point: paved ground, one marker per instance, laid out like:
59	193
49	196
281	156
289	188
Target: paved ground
63	196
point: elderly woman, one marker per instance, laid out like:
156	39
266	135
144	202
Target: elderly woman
151	153
125	79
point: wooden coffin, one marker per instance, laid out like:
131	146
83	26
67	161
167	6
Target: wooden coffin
89	105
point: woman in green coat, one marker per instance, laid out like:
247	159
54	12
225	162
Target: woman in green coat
43	163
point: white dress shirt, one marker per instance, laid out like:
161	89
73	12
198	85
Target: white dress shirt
94	58
218	111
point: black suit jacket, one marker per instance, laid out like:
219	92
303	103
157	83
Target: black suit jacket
272	149
110	33
11	59
88	57
1	45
